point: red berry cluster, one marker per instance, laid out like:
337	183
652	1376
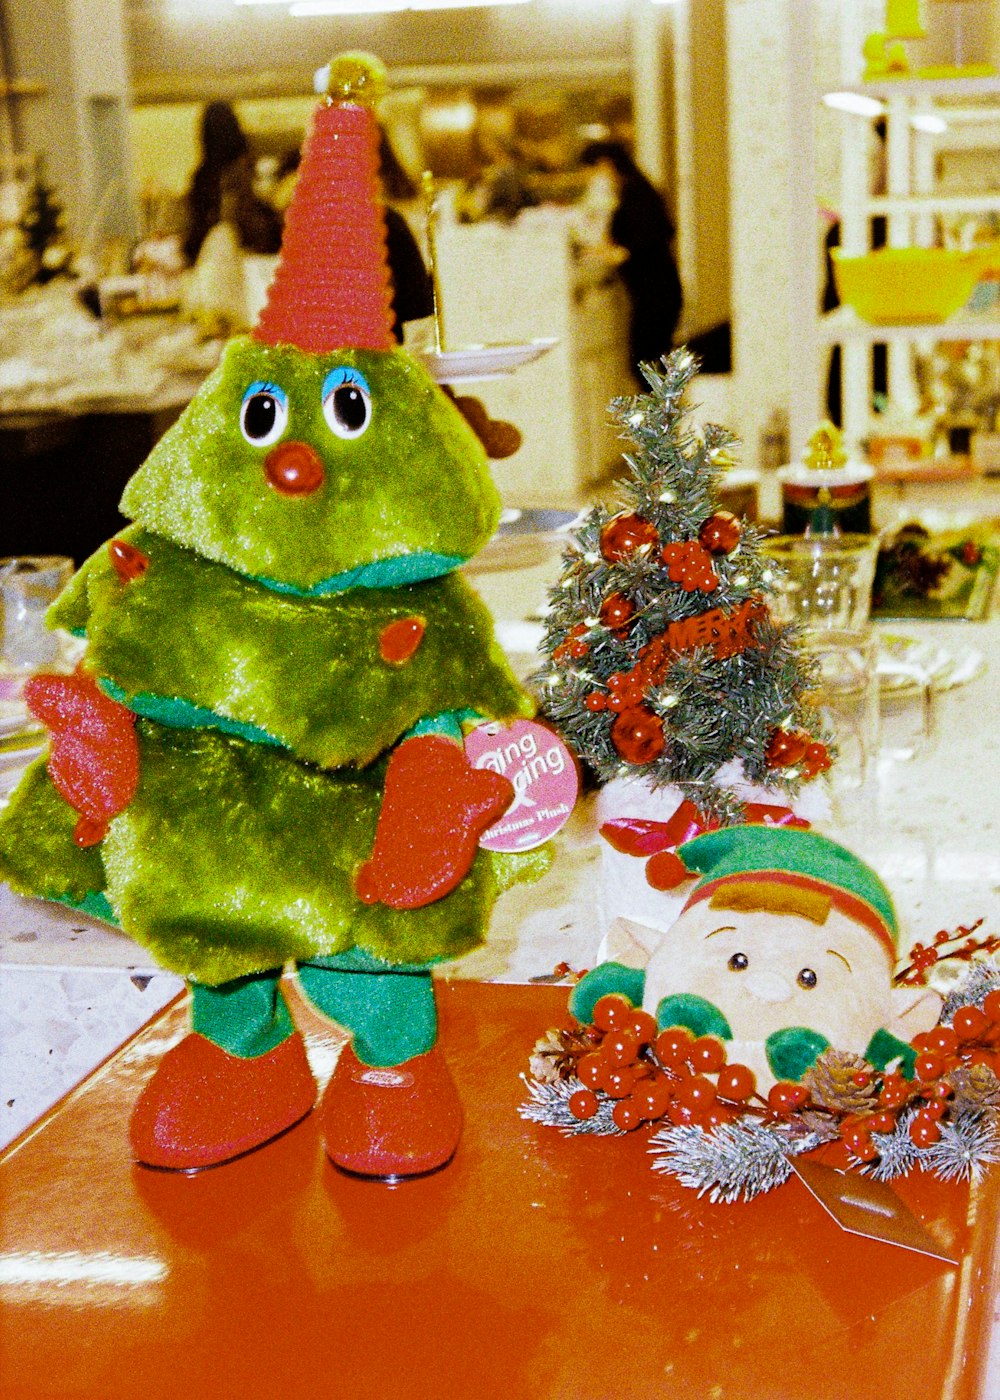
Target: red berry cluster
666	1074
960	946
973	1038
573	647
690	564
787	748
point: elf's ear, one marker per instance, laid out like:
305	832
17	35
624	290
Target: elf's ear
630	943
915	1009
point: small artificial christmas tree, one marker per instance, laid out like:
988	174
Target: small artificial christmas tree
42	227
664	662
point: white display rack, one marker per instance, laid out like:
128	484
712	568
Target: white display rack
911	203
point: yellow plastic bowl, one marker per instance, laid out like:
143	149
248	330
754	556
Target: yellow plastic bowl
901	285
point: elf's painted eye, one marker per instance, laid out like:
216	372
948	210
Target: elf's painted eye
264	414
807	978
347	402
739	962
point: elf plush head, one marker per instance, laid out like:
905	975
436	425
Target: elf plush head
319	455
785	947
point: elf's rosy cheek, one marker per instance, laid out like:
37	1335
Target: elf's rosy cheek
294	469
767	985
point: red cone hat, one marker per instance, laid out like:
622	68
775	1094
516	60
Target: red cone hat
331	289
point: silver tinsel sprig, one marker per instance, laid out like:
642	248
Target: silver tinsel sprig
735	1161
897	1152
549	1105
982	978
964	1148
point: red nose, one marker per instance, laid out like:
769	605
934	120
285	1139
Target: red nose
294	469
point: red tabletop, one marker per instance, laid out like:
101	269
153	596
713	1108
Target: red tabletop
533	1266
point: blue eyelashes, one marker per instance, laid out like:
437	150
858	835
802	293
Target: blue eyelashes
347	402
264	413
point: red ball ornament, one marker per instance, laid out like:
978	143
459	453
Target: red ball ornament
616	610
624	534
665	871
720	534
637	735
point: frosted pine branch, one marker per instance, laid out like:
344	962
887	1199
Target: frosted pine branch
549	1105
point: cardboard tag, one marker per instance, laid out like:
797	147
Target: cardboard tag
545	780
866	1207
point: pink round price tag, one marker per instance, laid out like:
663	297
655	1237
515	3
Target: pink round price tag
544	775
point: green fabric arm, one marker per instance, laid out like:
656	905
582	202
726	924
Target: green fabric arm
607	977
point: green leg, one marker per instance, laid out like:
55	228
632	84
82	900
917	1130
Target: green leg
391	1015
246	1017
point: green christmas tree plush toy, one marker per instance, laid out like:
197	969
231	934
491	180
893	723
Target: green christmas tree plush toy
260	759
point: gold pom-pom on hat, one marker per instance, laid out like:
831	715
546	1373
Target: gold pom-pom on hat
358	78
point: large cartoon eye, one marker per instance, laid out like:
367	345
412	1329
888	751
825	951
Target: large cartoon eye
347	402
739	962
264	414
807	978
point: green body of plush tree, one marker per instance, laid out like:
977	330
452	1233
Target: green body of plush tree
663	659
260	758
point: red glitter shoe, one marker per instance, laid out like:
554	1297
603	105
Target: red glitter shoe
204	1106
391	1121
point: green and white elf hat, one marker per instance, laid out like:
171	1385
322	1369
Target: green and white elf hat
789	856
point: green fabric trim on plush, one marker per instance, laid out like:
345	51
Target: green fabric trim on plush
416	481
38	855
884	1047
181	714
191	640
792	1051
606	977
391	1015
94	904
694	1013
246	1017
449	723
384	573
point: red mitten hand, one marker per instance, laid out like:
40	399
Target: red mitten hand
94	754
435	807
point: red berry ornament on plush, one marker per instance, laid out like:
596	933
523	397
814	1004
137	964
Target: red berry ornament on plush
128	562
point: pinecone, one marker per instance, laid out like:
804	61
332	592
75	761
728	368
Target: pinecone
842	1082
556	1054
976	1087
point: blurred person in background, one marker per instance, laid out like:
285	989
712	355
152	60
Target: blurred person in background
641	235
224	177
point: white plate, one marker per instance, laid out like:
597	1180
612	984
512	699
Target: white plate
474	362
